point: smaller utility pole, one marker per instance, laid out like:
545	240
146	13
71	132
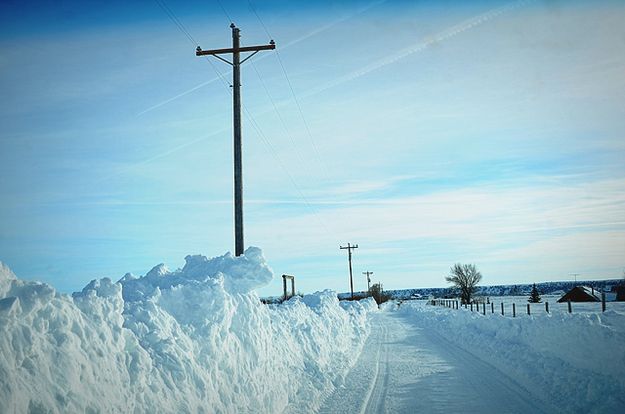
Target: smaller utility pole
349	248
368	273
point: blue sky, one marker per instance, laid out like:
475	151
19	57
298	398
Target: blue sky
430	133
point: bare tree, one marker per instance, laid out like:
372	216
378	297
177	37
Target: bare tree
465	277
377	291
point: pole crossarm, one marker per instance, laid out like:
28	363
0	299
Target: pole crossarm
349	247
200	52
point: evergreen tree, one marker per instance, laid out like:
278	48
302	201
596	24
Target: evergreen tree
534	295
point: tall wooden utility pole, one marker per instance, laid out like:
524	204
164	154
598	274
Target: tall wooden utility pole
368	273
236	63
349	256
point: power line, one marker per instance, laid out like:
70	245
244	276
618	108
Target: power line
277	158
280	118
223	9
320	162
324	168
175	20
249	2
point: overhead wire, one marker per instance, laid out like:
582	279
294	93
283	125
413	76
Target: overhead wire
280	118
323	166
223	9
175	20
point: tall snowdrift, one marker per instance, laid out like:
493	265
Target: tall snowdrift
575	361
194	340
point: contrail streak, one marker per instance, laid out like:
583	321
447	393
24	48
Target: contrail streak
421	46
160	155
180	95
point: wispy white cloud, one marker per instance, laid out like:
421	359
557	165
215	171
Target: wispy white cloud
485	214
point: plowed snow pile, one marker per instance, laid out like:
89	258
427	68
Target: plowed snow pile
194	340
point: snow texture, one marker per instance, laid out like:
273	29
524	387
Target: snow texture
574	362
196	340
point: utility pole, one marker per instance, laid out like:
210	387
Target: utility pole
236	110
349	256
368	273
575	276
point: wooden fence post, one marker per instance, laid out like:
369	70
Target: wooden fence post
528	308
492	307
484	308
502	308
547	306
602	301
570	309
514	310
471	306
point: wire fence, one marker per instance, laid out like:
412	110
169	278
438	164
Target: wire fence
517	308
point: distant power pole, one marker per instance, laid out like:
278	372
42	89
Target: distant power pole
236	109
368	273
349	256
575	276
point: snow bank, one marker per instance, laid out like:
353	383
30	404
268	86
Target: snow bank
575	361
194	340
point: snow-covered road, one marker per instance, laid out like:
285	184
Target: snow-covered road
406	369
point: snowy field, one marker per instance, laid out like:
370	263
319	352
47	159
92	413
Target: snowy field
569	362
195	340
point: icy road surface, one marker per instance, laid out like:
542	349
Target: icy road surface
406	369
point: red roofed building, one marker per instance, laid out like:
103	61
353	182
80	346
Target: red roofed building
581	294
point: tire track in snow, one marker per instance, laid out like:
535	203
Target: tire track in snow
405	368
374	402
498	382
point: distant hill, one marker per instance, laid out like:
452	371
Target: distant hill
545	288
